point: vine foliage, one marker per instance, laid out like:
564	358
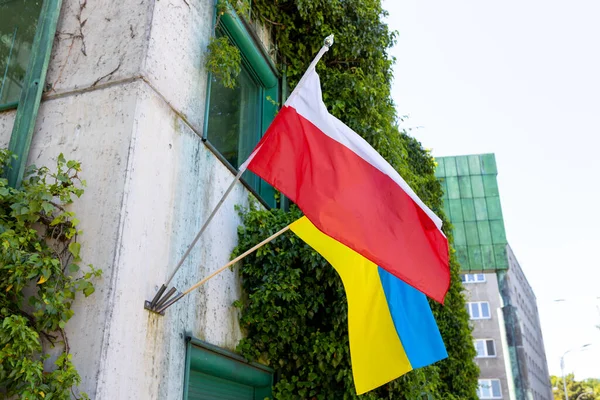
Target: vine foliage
223	59
40	276
295	312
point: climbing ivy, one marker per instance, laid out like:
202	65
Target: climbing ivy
223	59
295	312
40	277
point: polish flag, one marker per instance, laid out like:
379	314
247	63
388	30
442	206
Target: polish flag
349	192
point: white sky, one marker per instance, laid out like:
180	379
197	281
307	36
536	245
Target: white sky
520	79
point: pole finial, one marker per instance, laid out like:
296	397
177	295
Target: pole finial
328	41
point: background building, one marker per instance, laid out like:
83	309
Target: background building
502	305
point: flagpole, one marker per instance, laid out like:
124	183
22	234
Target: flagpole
165	305
160	300
327	43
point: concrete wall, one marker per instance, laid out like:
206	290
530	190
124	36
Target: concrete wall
127	97
532	354
491	368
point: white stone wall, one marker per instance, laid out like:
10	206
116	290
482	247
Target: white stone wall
131	109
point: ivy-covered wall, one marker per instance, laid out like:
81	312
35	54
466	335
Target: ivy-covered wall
295	312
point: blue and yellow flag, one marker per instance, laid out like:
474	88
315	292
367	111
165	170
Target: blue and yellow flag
391	328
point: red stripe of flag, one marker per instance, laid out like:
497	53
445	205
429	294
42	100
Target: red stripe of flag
353	202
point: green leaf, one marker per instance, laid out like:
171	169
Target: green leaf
88	290
74	249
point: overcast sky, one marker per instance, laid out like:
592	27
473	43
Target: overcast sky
520	79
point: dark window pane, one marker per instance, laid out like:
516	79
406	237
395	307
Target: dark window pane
233	119
491	350
18	22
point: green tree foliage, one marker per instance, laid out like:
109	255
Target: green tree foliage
295	312
39	279
587	389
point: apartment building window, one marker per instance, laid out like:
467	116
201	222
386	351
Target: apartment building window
18	23
485	348
479	310
236	118
472	278
489	389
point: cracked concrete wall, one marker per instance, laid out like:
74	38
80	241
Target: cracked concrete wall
126	97
169	164
98	42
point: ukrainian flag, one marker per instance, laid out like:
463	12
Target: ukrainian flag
391	328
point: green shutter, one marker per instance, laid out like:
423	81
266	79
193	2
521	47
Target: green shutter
217	374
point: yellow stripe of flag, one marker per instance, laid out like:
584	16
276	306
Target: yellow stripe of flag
375	348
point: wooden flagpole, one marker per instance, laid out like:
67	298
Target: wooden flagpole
218	271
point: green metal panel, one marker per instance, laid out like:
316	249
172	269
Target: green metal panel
490	185
472	203
474	165
468	209
453	187
488	259
460	237
462	166
493	207
483	230
481	213
33	86
450	165
488	162
455	207
215	373
477	186
464	185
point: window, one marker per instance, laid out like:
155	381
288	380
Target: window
485	348
214	373
472	278
489	389
18	23
237	118
479	310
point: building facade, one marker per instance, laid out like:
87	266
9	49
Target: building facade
501	303
127	93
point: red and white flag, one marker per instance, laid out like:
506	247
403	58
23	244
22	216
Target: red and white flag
349	192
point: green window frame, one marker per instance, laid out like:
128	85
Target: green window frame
215	373
258	70
18	23
32	87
